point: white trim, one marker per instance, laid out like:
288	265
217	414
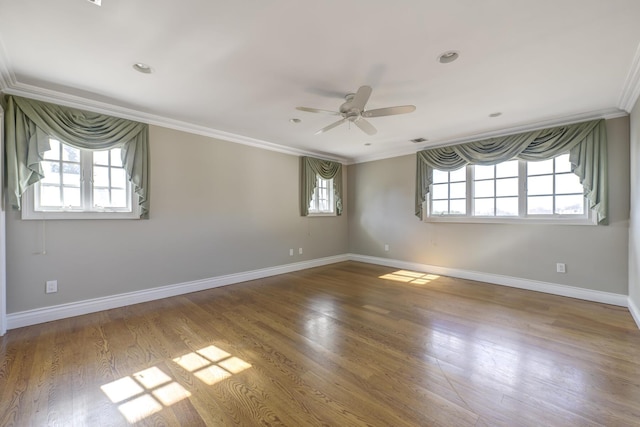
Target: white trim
7	78
631	87
10	86
73	101
610	113
3	233
47	314
514	282
635	312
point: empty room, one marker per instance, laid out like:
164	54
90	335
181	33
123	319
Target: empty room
296	213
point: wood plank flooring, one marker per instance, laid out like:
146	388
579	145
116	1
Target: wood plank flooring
348	344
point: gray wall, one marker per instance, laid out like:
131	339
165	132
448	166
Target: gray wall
216	208
381	206
634	228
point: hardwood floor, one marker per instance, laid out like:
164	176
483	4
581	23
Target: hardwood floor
348	344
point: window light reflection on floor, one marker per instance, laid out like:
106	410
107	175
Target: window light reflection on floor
211	364
149	391
407	276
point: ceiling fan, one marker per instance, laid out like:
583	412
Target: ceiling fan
352	110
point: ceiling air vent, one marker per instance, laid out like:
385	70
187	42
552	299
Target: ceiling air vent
418	140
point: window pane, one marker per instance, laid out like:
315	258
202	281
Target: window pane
101	176
540	185
49	196
119	178
541	205
458	190
507	169
100	197
115	157
71	197
483	172
539	168
507	187
570	205
440	176
119	199
51	172
440	207
567	183
70	154
458	207
101	158
71	174
483	207
458	175
563	164
507	206
483	188
54	153
440	191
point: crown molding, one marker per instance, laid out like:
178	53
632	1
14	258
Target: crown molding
47	95
7	78
631	88
610	113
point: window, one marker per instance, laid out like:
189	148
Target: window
323	202
449	192
80	184
511	191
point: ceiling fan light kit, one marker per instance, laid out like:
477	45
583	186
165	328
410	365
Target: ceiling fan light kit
352	110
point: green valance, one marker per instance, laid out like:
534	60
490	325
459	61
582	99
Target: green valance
30	123
310	168
585	142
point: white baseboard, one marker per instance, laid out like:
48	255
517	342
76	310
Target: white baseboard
635	312
514	282
47	314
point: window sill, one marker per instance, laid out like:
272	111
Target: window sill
550	220
319	214
55	215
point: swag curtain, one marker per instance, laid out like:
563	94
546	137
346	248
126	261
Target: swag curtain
309	168
585	142
29	124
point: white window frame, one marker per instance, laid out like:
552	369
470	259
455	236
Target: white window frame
588	218
30	211
314	209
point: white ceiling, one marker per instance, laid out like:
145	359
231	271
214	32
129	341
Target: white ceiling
237	69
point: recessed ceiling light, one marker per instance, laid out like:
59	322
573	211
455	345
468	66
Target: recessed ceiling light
295	120
141	67
496	114
447	57
418	140
96	2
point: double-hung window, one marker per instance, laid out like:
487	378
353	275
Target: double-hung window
80	184
511	191
323	200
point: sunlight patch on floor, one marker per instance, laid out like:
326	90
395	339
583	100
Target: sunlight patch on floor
407	276
149	391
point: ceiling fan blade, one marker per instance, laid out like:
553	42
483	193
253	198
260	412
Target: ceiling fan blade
331	126
361	97
316	110
365	126
389	111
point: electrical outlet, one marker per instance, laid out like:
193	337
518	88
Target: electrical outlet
561	267
290	252
386	248
300	251
52	287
